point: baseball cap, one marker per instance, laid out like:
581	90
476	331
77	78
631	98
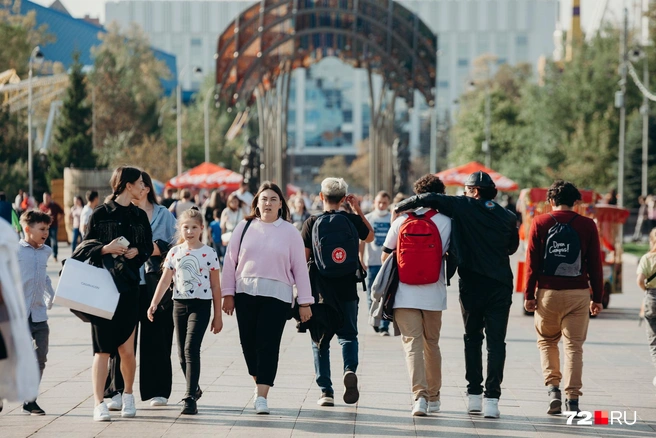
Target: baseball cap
479	179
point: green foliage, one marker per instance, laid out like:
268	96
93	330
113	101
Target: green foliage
566	127
74	142
18	37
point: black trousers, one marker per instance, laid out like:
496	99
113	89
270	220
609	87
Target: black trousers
191	318
485	305
261	321
155	371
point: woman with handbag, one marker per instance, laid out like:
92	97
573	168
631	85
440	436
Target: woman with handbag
111	225
230	217
265	259
647	282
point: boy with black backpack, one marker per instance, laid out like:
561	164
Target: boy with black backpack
332	242
564	262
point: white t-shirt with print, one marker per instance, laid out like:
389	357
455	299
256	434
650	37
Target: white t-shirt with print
191	271
422	296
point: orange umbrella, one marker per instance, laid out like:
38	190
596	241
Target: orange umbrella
207	176
457	176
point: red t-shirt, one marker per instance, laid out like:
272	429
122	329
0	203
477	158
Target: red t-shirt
54	211
591	268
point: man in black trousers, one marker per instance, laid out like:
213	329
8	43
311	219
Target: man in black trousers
483	237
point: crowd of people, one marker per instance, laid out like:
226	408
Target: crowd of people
267	259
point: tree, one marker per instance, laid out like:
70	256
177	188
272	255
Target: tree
126	81
74	143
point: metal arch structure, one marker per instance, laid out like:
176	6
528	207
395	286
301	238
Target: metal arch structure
258	51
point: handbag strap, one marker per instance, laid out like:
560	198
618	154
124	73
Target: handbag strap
248	224
651	277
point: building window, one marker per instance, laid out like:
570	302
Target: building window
443	84
348	116
522	47
483	43
196	42
463	62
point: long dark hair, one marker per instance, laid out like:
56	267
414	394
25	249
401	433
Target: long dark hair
268	185
121	177
148	182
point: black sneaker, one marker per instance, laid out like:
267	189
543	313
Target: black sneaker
351	393
198	394
327	399
190	407
32	408
572	405
376	329
555	401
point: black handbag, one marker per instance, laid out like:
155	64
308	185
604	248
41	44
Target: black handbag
390	293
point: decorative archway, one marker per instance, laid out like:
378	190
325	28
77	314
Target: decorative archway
258	51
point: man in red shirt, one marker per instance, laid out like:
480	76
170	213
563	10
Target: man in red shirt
55	212
564	262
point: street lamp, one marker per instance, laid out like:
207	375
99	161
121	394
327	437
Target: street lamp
178	111
36	57
209	93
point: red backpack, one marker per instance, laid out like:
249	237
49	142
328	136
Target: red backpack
419	250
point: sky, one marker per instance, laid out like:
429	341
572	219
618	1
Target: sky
96	8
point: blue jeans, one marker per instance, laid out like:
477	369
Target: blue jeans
52	237
76	236
372	271
347	337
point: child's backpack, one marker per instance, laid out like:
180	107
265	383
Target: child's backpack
562	250
419	250
335	245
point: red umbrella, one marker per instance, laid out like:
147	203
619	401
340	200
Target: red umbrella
207	176
457	176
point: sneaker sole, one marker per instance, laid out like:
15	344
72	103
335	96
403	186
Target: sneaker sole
325	403
36	414
114	409
555	407
128	415
263	413
158	404
351	393
491	416
103	419
189	413
418	414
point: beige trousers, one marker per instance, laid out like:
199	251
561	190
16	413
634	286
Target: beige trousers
420	331
562	313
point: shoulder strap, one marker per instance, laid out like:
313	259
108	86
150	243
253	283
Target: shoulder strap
554	218
572	219
248	224
651	277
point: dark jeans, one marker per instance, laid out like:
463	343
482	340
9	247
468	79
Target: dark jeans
485	304
40	334
650	317
191	318
372	271
220	251
347	337
52	237
261	321
155	370
76	235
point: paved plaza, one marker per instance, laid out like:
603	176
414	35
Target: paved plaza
617	377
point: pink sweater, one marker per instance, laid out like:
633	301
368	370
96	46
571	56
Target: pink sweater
274	251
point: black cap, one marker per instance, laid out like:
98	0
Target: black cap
479	179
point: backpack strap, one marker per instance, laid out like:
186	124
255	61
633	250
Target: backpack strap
248	224
651	277
572	219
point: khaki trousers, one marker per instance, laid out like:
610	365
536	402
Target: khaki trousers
420	331
562	313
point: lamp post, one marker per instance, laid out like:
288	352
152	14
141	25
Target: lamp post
178	112
209	93
36	57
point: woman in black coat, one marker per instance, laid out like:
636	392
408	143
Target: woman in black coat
110	221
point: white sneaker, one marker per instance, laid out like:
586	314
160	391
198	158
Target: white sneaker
420	408
101	412
654	381
129	409
475	403
159	401
434	406
491	408
261	406
116	403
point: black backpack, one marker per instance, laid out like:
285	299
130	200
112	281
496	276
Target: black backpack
335	245
562	252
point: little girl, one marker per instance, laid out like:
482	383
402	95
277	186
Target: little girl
194	269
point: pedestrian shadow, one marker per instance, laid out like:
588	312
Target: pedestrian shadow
620	313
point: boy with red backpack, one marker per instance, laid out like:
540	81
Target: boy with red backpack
421	239
332	242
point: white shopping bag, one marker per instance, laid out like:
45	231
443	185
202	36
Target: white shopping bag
88	289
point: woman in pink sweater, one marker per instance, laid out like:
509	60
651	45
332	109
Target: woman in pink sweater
264	260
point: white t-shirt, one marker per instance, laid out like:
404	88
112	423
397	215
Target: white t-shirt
380	222
422	296
84	218
191	271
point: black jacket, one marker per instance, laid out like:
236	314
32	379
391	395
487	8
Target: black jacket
327	313
483	234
